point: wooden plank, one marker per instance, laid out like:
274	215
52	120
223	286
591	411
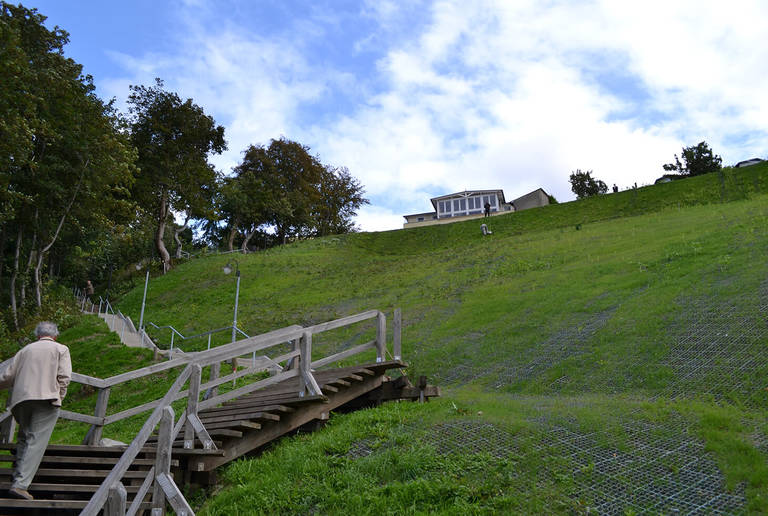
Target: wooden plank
249	345
248	425
265	408
381	336
286	424
344	321
83	449
116	500
95	432
98	499
141	494
82	418
339	381
200	432
74	473
174	496
67	488
212	402
397	330
224	432
192	402
326	388
140	408
253	416
145	371
344	354
48	459
163	458
89	380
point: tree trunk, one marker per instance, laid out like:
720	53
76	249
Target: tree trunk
248	237
15	274
2	252
41	253
162	216
231	237
25	276
176	234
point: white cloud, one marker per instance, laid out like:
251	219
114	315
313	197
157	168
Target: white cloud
493	94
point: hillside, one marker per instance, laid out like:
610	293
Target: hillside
605	354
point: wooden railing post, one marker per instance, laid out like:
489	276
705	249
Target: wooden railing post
94	433
292	363
381	336
8	426
215	371
116	501
163	459
307	382
397	330
192	400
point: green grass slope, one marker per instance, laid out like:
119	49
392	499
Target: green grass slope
615	368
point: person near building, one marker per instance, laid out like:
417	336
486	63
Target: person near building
38	377
487	209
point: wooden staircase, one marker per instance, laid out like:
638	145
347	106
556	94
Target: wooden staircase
142	477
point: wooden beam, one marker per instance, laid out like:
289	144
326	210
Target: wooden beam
287	423
163	458
381	336
98	499
344	321
344	354
116	501
94	434
397	330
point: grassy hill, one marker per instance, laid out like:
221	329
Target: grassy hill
603	355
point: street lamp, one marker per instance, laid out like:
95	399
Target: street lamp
143	299
228	269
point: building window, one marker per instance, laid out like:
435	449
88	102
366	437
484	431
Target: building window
420	219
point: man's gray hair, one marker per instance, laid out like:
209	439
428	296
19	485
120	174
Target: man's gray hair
46	329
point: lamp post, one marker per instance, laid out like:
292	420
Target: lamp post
143	299
227	269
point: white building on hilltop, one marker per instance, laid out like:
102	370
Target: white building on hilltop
470	204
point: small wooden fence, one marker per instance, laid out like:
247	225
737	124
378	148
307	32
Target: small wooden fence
298	362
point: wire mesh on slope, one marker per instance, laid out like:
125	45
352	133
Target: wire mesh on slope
506	368
654	469
719	349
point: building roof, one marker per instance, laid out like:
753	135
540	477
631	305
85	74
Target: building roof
748	162
529	193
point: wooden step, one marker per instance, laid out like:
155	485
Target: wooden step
238	416
245	424
43	504
74	473
97	461
69	488
245	404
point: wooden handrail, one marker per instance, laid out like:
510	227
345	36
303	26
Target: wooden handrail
193	364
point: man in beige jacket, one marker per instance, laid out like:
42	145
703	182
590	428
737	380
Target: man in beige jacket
38	375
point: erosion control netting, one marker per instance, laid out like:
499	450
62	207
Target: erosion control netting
715	349
651	469
719	349
507	368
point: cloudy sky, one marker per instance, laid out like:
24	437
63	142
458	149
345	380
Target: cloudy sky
420	99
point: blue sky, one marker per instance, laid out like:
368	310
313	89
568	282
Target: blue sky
423	98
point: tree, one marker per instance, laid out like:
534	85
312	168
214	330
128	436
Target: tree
341	195
173	139
284	187
584	185
698	160
64	155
